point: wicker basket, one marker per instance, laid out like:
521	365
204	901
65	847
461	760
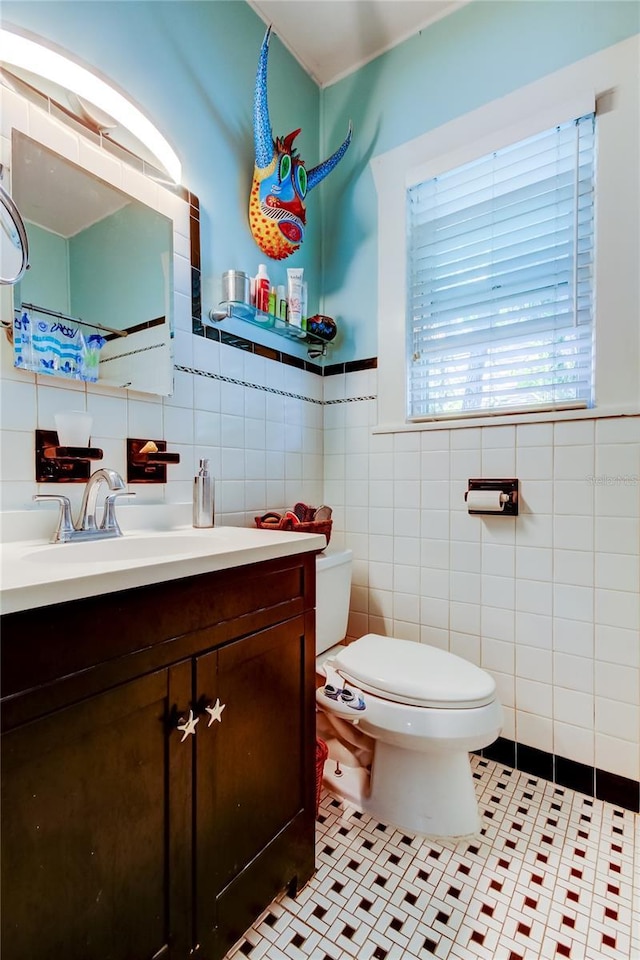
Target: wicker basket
286	523
322	752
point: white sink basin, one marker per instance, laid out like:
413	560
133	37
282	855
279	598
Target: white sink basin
35	574
118	550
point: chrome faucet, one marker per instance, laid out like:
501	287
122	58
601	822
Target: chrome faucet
86	521
86	526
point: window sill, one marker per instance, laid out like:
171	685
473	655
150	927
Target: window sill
502	420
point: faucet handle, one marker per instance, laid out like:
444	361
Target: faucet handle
64	530
109	519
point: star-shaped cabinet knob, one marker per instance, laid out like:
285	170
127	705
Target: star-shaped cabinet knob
215	712
188	727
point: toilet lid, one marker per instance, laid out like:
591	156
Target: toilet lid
414	673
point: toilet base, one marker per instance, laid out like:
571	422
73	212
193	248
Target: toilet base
347	780
428	793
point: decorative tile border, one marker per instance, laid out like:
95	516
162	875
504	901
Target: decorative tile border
254	386
568	773
244	383
250	346
328	403
352	366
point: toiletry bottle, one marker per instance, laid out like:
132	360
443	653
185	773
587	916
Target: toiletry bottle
273	299
203	497
282	302
262	288
294	295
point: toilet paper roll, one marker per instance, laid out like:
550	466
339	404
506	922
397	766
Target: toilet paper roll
488	501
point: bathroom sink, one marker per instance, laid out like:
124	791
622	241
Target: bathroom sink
34	573
119	550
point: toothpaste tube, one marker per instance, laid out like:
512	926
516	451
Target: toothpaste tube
294	281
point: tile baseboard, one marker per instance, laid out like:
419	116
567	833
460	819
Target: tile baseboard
580	777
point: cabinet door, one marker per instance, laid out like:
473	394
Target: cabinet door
95	827
255	812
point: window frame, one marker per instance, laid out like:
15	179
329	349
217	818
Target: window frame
607	82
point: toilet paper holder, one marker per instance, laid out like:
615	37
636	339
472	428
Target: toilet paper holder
508	490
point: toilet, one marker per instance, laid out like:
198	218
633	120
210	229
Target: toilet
399	718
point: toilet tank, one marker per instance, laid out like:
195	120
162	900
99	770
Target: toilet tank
333	591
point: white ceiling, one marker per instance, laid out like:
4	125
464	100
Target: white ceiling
332	38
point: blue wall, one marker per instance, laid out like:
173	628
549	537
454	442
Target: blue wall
120	268
483	51
46	282
191	66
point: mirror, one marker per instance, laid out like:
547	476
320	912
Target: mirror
97	256
14	246
110	241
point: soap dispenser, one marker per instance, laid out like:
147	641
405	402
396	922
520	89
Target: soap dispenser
203	501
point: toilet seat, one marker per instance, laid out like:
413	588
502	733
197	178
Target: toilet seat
414	674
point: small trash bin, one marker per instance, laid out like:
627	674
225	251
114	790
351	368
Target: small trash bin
322	752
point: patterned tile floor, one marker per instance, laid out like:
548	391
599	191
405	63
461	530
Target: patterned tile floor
551	874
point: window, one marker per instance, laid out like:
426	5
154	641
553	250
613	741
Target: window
605	83
500	280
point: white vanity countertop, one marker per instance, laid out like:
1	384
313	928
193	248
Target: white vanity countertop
35	573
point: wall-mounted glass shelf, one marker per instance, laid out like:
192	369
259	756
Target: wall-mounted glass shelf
267	321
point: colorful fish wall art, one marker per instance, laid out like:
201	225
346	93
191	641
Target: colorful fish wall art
277	213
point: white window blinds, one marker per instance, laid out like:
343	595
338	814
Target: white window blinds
500	297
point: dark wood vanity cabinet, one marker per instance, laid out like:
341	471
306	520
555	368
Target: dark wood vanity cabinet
92	812
123	836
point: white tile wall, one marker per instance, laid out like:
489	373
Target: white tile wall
549	602
265	448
